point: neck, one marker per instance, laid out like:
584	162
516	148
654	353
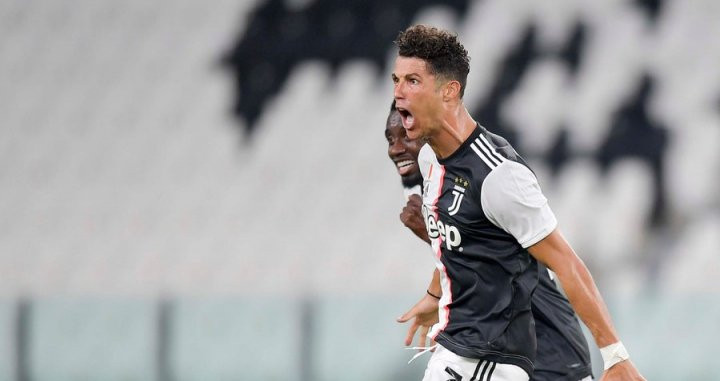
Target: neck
456	125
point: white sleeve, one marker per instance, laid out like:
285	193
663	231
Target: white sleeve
426	158
512	200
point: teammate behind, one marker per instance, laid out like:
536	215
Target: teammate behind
562	351
404	153
489	225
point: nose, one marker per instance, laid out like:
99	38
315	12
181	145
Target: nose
398	90
397	147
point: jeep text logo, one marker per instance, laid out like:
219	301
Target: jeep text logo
449	234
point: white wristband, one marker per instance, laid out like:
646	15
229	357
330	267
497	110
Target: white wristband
613	354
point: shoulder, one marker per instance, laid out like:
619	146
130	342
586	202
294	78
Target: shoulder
485	154
512	179
512	199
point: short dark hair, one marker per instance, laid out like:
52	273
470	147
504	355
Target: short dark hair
393	110
445	55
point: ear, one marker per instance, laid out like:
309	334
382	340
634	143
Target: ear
451	90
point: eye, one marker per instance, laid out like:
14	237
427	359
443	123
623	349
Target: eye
414	81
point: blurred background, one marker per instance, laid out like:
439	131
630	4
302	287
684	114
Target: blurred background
194	190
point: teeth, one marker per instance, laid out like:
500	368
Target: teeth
405	163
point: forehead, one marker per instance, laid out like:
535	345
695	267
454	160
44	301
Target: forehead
410	65
394	123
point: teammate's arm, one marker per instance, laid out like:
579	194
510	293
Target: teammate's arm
411	217
555	252
424	313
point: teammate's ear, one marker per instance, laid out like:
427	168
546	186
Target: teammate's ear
451	91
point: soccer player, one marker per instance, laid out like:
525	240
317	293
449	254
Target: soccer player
489	224
404	154
562	353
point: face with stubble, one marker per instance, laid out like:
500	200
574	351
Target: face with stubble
418	96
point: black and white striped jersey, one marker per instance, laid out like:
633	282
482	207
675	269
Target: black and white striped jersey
562	351
483	207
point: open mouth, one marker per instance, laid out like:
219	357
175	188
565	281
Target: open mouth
405	167
407	118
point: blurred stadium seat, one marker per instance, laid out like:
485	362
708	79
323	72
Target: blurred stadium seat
122	173
358	339
8	359
92	340
231	339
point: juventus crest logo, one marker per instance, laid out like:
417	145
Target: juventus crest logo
458	194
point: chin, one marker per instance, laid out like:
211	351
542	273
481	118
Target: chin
412	180
413	134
